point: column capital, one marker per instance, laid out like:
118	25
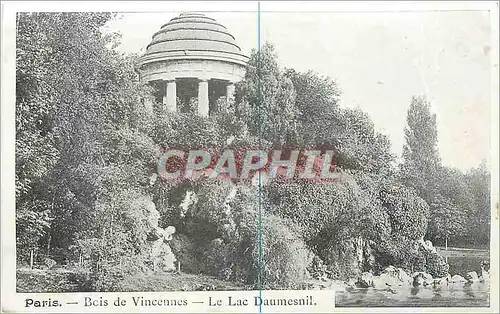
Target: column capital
203	79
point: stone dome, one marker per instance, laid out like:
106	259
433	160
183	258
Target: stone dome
192	49
193	36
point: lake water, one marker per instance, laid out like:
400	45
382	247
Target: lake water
476	295
461	261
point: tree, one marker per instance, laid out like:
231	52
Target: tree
48	106
421	159
446	220
78	121
408	212
286	107
316	101
451	206
479	182
358	145
266	99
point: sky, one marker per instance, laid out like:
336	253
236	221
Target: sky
379	60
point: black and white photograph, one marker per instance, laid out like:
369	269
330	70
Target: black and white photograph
343	150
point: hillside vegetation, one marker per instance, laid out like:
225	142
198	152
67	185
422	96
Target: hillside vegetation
87	147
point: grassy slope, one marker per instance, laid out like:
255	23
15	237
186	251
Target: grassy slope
61	280
177	282
38	280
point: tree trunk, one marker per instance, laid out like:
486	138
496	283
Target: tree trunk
49	239
49	233
31	259
446	248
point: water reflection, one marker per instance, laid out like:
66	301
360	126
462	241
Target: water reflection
468	290
470	295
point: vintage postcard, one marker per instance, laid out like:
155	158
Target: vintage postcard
249	157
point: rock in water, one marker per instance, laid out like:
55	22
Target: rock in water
391	277
351	282
485	274
404	277
398	274
441	282
365	280
422	279
472	277
385	280
458	279
338	285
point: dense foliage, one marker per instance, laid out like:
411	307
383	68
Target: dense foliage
81	153
459	211
87	144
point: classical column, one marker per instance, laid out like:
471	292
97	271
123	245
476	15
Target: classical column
229	92
170	99
203	98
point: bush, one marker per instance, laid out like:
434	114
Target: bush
408	212
220	259
317	267
342	260
49	262
285	255
435	264
400	252
280	260
187	253
106	278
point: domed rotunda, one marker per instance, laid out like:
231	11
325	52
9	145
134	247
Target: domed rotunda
192	58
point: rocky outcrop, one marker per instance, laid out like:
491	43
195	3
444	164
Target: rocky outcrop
485	276
392	277
160	253
427	245
441	282
162	256
472	277
422	279
457	279
365	280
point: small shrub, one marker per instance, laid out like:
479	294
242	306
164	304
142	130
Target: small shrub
220	259
49	262
82	279
435	264
281	258
401	252
343	260
317	267
106	279
187	253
